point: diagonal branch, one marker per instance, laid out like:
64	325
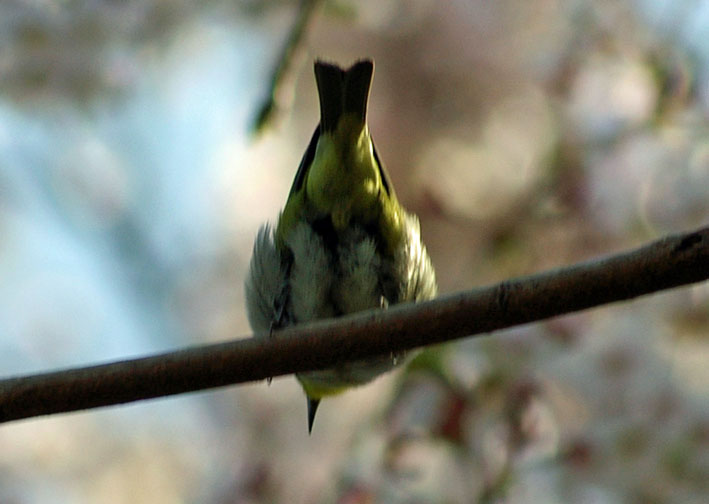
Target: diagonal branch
670	262
282	81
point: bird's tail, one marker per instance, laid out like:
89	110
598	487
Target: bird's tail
343	92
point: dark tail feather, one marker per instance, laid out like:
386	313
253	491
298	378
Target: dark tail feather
331	88
358	79
312	409
342	91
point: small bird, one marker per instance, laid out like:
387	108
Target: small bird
343	243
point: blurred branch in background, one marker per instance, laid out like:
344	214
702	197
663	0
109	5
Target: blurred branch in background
280	93
670	262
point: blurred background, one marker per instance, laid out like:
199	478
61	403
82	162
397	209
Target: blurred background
136	164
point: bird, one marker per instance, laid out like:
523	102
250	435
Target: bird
342	243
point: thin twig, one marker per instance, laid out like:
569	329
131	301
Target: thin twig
282	81
670	262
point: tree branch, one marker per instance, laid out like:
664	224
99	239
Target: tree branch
670	262
281	88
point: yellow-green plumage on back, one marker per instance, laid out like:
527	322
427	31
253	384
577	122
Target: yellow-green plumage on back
342	243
